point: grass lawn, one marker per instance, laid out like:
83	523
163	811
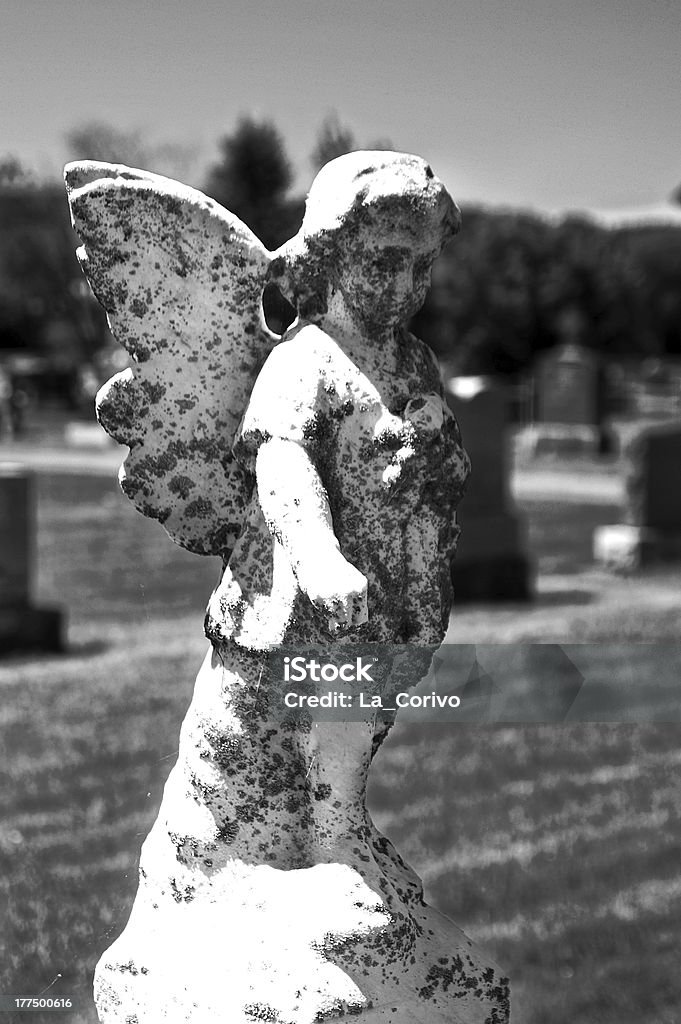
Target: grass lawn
555	846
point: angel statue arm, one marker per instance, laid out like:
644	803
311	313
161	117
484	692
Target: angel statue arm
296	509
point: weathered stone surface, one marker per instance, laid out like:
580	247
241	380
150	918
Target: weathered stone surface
266	892
180	279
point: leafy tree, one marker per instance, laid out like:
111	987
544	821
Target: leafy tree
97	140
45	305
13	174
508	285
333	139
336	139
253	178
653	255
381	143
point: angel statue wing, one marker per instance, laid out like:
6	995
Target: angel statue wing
181	280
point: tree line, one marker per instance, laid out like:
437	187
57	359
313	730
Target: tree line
510	285
513	284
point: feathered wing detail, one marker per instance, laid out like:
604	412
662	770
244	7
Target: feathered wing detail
181	280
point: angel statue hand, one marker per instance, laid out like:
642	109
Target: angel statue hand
336	587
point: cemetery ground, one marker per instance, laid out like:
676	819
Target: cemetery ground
555	846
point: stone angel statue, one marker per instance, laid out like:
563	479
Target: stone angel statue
324	468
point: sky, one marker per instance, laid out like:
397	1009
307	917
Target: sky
547	104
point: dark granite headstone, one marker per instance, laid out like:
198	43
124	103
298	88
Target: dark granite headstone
653	478
16	532
23	627
491	562
651	528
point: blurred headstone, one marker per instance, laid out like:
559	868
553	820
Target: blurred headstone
5	404
657	389
86	435
567	387
491	563
22	625
569	402
651	528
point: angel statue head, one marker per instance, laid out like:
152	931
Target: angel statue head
374	223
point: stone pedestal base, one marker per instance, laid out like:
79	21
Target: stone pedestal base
491	562
623	547
267	894
292	947
31	629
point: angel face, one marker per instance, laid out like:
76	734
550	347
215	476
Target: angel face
373	225
386	284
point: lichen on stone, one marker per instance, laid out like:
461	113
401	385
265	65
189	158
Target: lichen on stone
324	469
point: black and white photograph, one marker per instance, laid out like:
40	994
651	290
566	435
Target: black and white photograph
340	512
